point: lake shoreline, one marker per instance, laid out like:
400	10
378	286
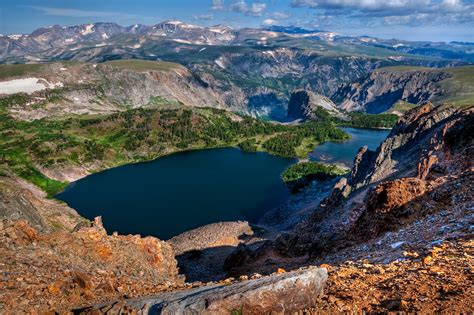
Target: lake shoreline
161	184
343	153
176	154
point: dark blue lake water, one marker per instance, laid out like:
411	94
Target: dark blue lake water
181	191
186	190
335	152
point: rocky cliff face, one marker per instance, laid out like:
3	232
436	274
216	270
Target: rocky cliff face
414	145
104	89
291	68
426	155
381	89
419	179
305	104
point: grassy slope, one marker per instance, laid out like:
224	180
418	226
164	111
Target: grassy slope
400	107
460	87
17	70
144	65
14	70
7	71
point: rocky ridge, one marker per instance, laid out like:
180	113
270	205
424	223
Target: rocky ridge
381	89
411	195
418	160
305	104
103	89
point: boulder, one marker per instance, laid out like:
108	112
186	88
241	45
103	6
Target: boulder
281	293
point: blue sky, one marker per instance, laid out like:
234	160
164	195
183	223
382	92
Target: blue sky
439	20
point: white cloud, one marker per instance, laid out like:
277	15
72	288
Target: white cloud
279	15
269	22
393	12
452	4
217	5
79	13
375	5
203	17
254	9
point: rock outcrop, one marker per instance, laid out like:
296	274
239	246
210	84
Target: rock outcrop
20	200
64	270
284	293
393	185
418	137
381	89
308	105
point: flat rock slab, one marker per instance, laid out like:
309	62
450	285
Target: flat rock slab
280	294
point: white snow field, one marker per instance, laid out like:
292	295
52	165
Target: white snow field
26	85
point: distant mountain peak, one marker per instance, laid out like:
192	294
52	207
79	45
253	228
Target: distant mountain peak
291	29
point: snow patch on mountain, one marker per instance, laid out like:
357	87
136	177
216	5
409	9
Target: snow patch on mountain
220	62
26	85
89	29
15	36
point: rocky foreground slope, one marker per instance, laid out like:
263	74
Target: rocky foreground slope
63	270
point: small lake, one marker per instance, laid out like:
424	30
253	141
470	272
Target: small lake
335	152
181	191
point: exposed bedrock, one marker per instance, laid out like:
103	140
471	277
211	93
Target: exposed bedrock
381	89
305	104
277	294
64	270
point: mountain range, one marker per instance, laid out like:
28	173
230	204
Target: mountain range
49	41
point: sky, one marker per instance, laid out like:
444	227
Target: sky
434	20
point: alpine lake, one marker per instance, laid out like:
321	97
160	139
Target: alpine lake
185	190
